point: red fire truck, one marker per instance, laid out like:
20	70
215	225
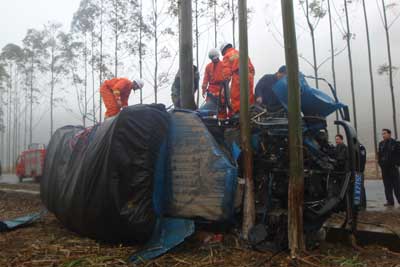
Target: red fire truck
30	162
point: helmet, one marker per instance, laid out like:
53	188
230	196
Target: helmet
139	83
225	46
213	54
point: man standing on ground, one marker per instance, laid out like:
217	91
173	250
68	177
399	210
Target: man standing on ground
115	94
388	157
264	93
176	87
230	72
342	155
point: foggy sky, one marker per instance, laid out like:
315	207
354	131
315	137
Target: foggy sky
267	55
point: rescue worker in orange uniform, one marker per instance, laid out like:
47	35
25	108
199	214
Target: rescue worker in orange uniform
115	94
213	78
230	71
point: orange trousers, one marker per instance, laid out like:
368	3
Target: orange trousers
235	91
110	102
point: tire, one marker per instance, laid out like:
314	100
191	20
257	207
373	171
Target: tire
20	178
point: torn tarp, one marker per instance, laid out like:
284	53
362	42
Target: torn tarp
168	233
8	225
313	102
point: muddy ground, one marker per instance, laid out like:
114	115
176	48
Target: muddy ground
48	243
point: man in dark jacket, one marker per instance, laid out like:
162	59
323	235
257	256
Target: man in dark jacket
264	93
342	154
388	161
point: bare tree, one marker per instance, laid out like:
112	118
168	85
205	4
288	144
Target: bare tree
35	53
388	68
11	56
371	76
348	37
313	12
56	68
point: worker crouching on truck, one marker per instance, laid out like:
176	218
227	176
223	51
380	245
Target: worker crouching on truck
115	94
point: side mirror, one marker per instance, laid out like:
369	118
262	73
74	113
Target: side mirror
346	113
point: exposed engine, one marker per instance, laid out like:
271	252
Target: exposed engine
328	186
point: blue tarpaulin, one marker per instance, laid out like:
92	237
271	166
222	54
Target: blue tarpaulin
313	102
169	233
9	225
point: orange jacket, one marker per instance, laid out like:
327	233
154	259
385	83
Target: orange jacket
122	85
213	78
231	64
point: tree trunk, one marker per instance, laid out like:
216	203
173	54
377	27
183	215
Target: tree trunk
116	39
296	174
25	114
101	61
312	33
333	57
140	49
390	70
233	24
249	213
31	103
348	37
215	24
155	7
186	56
9	117
197	48
15	121
52	92
371	76
85	83
93	88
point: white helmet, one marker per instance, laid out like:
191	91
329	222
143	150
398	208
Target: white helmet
213	54
139	83
225	46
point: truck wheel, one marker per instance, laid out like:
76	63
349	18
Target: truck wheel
20	178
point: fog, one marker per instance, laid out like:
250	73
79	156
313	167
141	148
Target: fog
265	51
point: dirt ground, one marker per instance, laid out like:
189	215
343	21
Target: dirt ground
48	243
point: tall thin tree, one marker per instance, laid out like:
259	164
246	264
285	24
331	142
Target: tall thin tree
313	13
390	66
333	69
371	77
348	37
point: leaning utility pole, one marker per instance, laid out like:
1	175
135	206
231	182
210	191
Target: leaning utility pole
186	55
249	204
296	174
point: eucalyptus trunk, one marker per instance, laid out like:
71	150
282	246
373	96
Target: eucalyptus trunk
101	60
332	56
348	39
371	76
390	69
312	33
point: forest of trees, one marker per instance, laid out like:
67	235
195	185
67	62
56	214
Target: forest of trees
101	43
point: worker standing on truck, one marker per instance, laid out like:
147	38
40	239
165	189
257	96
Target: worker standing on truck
115	94
213	78
230	72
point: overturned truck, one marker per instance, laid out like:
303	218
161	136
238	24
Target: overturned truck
124	180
